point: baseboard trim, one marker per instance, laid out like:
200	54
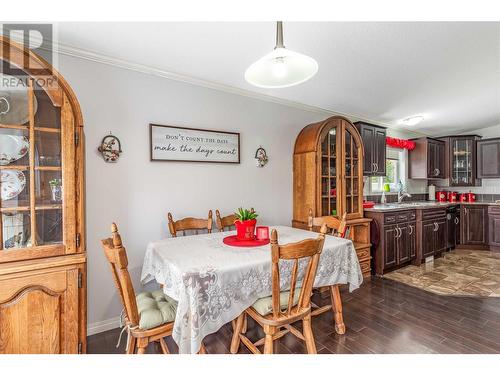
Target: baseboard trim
103	326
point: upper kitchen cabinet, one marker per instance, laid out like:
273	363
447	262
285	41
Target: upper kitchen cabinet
488	158
460	160
373	137
427	160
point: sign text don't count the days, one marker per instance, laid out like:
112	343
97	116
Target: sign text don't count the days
172	143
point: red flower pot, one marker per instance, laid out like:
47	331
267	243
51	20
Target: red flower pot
245	230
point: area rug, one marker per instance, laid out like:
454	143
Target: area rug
458	272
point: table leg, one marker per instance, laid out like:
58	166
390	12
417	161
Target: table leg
337	309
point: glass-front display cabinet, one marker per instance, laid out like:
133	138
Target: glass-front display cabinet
42	252
328	180
461	160
334	149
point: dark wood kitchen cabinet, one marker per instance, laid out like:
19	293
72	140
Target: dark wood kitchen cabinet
397	241
494	227
460	160
390	247
373	137
431	233
474	228
488	158
427	160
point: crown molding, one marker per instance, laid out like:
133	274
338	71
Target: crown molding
67	50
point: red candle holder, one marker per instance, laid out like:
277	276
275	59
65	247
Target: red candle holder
262	233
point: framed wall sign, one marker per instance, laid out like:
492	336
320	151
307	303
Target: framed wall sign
174	143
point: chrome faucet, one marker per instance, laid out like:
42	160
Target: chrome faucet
402	193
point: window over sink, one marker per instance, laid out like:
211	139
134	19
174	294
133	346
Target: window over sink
395	164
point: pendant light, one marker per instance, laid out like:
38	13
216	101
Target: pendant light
281	67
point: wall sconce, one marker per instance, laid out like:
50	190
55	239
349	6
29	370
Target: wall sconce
110	148
261	157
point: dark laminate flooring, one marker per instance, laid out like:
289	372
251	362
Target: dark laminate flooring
383	316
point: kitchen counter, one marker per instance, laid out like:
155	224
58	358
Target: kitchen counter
422	205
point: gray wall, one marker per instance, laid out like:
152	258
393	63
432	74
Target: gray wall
137	194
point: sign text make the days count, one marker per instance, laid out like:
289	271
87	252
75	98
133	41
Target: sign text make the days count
185	144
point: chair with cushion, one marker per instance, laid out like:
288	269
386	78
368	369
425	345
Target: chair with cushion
189	223
337	228
276	313
149	316
224	222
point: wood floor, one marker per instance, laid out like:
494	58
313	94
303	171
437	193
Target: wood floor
383	316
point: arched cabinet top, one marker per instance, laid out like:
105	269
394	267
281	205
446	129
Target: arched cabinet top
56	87
309	137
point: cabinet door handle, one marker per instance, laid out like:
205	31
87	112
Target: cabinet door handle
456	220
436	227
411	230
465	210
438	171
376	167
373	167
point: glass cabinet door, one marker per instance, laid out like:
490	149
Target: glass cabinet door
329	193
353	182
462	161
32	203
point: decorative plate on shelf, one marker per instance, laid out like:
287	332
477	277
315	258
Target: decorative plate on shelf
12	183
14	109
12	148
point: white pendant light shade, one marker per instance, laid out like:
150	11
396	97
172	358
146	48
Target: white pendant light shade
281	67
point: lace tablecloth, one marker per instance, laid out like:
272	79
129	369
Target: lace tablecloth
214	283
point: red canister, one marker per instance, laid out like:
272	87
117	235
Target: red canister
441	196
448	195
454	197
471	197
464	197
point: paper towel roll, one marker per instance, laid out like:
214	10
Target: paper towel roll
432	193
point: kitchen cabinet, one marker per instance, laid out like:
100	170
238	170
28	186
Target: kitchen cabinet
427	160
431	233
42	238
460	160
453	227
494	227
390	248
474	228
397	244
488	158
373	137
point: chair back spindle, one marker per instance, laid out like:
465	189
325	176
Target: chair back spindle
309	251
189	223
224	222
337	227
118	261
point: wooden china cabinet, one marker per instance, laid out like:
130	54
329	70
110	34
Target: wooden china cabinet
328	178
42	249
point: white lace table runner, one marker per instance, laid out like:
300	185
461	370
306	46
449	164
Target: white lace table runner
214	283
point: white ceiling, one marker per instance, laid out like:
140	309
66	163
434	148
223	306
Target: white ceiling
449	72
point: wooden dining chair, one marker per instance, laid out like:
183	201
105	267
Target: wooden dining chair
224	222
338	228
275	314
149	316
189	223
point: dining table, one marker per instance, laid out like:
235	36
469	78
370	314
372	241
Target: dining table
213	283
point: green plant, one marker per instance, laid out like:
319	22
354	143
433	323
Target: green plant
55	182
244	214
